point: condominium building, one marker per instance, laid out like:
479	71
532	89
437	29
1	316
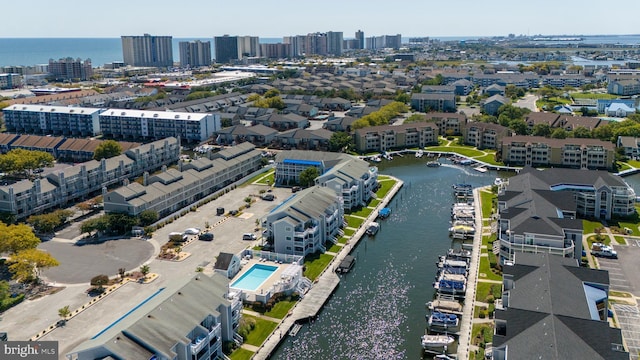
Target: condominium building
275	51
571	152
152	125
389	137
304	223
360	39
554	309
187	319
448	123
334	43
26	197
229	49
147	50
195	53
349	177
52	120
484	135
384	41
10	81
172	190
434	102
71	69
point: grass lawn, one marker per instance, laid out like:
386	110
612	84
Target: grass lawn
589	95
348	232
259	334
621	240
620	294
486	239
315	264
487	203
343	240
484	289
485	268
353	222
634	163
281	308
589	227
551	102
335	248
255	178
622	166
268	179
383	177
489	159
593	238
241	354
374	202
466	151
385	186
481	333
364	212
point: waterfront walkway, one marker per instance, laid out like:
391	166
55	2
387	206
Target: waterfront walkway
309	306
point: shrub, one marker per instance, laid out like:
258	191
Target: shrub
99	280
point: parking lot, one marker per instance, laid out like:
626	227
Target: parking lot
629	321
624	272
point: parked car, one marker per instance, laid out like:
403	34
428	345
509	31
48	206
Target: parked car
249	236
192	231
296	189
268	197
206	236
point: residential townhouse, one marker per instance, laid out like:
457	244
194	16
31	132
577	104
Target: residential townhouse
153	125
492	104
391	137
485	135
571	80
624	87
578	153
303	139
258	135
351	178
26	197
342	124
172	190
304	223
630	146
554	309
187	319
52	120
282	121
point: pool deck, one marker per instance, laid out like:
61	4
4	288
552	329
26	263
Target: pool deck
309	306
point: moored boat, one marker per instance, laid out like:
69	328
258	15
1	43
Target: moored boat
373	228
434	163
436	341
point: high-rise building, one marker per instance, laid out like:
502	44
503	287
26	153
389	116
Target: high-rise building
384	41
231	48
360	38
334	43
69	69
195	53
147	50
275	51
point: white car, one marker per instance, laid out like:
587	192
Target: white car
192	231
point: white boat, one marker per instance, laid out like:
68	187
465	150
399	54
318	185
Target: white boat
481	169
376	159
373	228
419	153
436	341
446	306
500	181
434	163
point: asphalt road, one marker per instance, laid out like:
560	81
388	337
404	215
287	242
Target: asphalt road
528	102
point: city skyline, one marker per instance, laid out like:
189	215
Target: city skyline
375	17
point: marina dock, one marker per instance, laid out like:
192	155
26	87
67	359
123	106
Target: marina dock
309	306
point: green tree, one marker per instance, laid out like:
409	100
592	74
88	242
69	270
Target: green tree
519	126
148	217
581	132
271	93
26	264
64	313
339	141
144	269
16	238
559	133
20	160
541	130
107	149
402	97
120	223
308	176
100	224
415	118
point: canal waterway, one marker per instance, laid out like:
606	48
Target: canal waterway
378	310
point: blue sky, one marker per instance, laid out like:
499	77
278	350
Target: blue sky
207	18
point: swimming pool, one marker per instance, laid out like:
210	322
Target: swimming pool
254	277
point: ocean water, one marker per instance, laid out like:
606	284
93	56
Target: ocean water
32	51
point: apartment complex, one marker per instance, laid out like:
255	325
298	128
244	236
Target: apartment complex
172	190
352	179
571	152
484	135
52	120
185	320
554	309
26	197
147	50
441	102
305	222
70	69
195	53
388	137
535	217
384	41
229	49
153	125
